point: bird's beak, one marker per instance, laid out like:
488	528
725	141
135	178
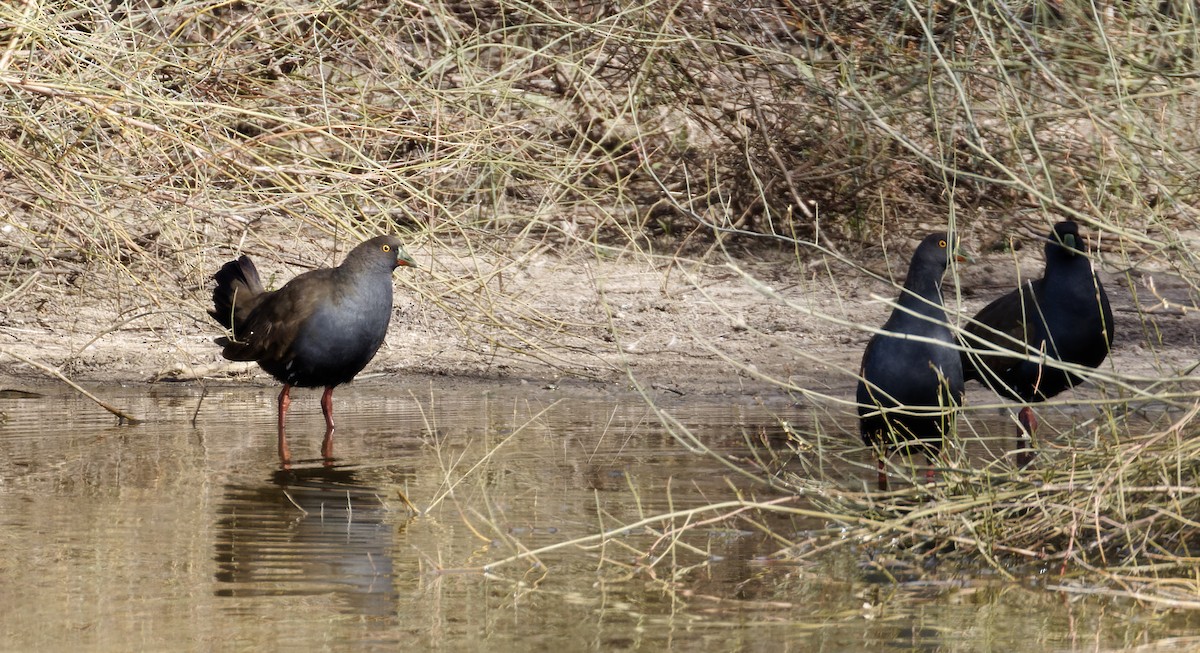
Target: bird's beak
403	259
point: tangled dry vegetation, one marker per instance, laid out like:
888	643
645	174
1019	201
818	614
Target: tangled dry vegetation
144	141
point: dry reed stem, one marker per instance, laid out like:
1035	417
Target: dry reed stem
123	416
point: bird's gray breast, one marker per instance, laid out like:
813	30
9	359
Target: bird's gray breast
342	335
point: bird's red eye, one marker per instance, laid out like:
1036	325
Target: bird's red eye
942	244
387	248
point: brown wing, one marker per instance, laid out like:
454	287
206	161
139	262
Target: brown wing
269	330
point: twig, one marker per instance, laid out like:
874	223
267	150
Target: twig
123	416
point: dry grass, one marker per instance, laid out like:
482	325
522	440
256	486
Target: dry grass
143	142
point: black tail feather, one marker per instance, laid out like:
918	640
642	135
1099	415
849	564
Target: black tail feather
238	286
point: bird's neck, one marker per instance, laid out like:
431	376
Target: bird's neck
1070	273
923	293
358	281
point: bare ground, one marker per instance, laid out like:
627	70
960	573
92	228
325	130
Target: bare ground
682	330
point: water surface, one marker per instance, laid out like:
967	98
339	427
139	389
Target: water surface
174	536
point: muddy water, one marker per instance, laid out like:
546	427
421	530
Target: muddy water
169	536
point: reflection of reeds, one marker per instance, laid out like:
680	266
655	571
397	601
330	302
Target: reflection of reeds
1121	512
1110	513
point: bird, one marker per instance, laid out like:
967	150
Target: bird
319	329
909	388
1064	316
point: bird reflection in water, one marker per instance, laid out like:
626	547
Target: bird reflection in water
310	531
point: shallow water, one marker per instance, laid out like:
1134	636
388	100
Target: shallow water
169	536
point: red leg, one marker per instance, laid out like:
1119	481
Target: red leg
1029	425
327	407
929	475
327	447
1029	421
285	400
881	465
327	410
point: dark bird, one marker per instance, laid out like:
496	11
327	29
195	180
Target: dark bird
320	329
909	388
1064	316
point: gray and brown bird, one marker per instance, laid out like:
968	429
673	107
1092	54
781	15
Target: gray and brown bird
319	330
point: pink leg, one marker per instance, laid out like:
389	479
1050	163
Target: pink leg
285	400
327	410
327	407
1029	425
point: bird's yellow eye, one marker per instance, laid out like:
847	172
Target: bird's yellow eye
387	248
942	244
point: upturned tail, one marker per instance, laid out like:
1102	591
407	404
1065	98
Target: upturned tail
238	291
